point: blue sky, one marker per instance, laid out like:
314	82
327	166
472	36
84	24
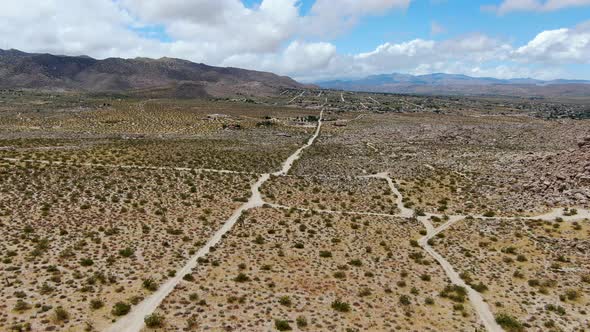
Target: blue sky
457	17
318	39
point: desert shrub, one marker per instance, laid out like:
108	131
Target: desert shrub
557	309
121	309
404	300
21	306
259	239
509	323
282	325
355	262
21	327
301	321
340	306
193	297
285	300
454	293
533	282
150	284
127	252
572	294
241	277
510	250
154	320
96	304
86	262
480	287
61	314
365	292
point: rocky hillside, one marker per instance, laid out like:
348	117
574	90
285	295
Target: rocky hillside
170	76
563	178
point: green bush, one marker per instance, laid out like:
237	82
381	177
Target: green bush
454	293
241	278
282	325
86	262
301	322
150	284
127	252
340	306
509	323
480	287
572	294
259	239
21	306
154	320
61	314
285	300
355	262
404	300
121	309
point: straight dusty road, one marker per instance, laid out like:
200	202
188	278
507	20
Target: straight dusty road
134	321
294	98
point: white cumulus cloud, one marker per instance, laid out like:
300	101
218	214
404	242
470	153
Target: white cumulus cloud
273	35
558	46
508	6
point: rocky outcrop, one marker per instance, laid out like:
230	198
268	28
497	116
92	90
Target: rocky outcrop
564	178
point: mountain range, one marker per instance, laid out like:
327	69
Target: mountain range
165	76
176	78
454	84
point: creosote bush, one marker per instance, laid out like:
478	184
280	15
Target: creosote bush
154	320
282	325
509	323
121	309
340	306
